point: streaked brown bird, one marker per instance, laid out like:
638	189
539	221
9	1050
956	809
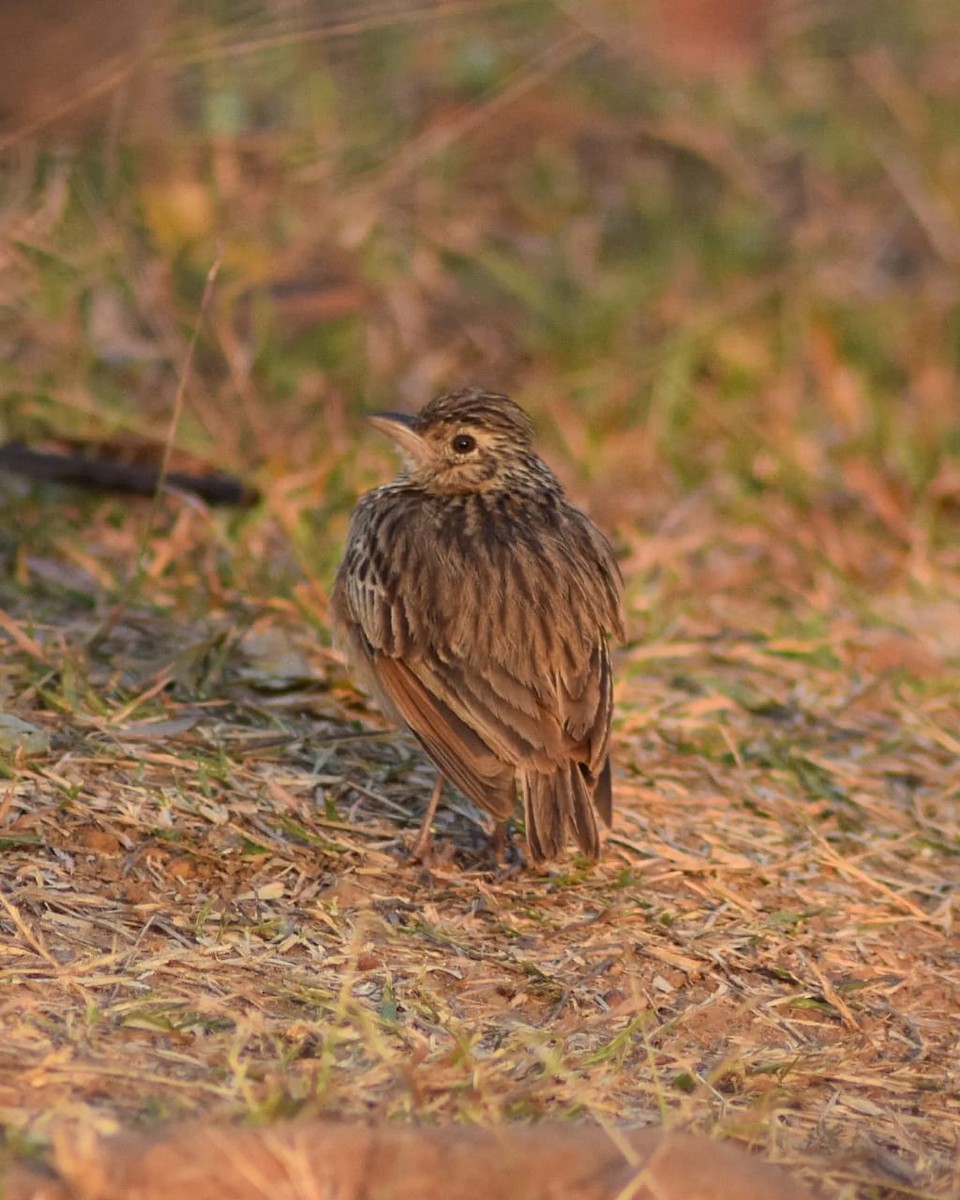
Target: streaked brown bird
475	602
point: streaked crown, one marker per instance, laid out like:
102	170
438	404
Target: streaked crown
475	407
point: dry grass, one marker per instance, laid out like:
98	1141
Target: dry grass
207	913
204	911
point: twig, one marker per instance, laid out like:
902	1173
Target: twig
140	570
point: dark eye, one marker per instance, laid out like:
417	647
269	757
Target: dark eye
463	443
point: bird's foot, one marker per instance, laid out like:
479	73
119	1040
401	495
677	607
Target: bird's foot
505	851
422	849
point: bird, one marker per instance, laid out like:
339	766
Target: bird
476	603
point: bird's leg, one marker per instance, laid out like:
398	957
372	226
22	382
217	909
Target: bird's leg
421	846
499	840
506	854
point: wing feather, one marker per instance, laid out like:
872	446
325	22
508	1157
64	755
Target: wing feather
454	746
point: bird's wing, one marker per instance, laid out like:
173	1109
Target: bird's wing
456	748
531	726
585	704
377	637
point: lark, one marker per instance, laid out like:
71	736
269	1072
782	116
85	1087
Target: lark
476	603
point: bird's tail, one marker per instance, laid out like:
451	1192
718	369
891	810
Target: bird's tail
559	807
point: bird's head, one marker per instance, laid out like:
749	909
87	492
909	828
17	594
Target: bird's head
464	441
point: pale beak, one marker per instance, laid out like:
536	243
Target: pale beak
400	427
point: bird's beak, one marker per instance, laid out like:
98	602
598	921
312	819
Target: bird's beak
400	427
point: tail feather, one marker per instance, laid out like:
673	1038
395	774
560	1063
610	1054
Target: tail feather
603	794
559	808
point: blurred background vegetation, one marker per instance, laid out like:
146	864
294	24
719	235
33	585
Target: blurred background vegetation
713	247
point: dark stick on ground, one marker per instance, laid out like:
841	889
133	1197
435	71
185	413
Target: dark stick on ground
126	478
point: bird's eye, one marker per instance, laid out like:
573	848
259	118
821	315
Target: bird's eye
463	443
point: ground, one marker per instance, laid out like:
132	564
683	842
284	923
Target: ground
206	911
